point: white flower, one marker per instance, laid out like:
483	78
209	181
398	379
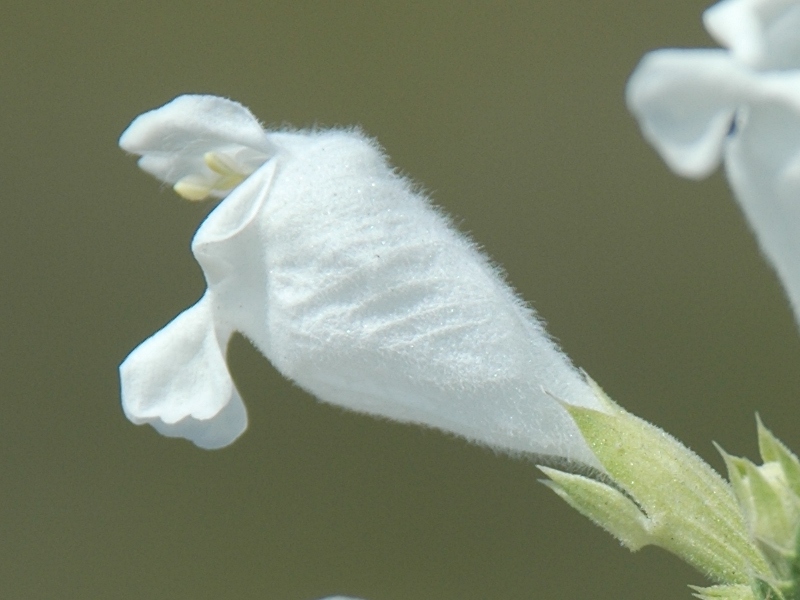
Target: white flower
698	107
762	34
349	282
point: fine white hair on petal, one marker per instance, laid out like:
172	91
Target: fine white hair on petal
356	288
193	121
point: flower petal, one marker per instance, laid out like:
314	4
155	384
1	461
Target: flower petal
231	217
173	138
762	34
685	101
178	381
230	250
194	121
375	303
763	166
171	168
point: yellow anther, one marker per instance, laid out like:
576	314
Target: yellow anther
228	182
227	174
223	164
192	187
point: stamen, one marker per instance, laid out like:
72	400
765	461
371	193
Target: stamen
222	164
226	175
230	172
228	182
193	187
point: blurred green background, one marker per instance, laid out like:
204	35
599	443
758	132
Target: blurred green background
512	115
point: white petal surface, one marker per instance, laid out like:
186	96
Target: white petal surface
763	166
173	139
194	122
762	34
178	381
375	303
685	102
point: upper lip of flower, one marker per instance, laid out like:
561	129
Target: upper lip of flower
204	146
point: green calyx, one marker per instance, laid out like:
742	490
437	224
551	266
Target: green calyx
769	497
659	492
724	592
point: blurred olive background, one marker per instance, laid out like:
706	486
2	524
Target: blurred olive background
512	115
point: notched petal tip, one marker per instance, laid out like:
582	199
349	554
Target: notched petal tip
221	430
178	382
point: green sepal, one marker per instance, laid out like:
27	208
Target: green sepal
794	570
690	510
767	496
724	592
603	504
764	590
773	450
769	509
